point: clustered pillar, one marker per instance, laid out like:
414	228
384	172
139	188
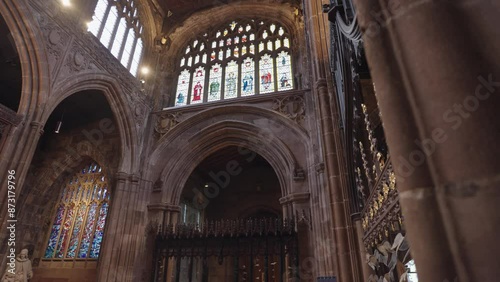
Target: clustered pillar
437	80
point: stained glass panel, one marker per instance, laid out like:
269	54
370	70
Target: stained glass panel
73	242
284	66
75	222
54	233
215	83
247	77
63	238
239	61
89	227
99	232
182	88
198	85
266	73
230	90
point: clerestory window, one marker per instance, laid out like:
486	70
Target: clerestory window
116	24
242	58
78	225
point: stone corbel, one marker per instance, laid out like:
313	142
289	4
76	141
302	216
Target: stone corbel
299	174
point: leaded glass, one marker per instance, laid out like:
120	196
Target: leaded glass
182	88
284	66
266	73
240	59
231	80
73	242
198	85
99	231
87	235
118	28
78	224
54	233
247	77
215	83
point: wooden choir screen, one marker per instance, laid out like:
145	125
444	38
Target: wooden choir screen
253	250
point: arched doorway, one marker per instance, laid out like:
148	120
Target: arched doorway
230	226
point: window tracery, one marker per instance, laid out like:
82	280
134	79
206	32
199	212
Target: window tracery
242	58
116	24
78	225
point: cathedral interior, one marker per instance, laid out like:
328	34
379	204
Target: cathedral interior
249	140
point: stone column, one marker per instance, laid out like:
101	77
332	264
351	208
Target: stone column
436	74
124	235
334	194
16	155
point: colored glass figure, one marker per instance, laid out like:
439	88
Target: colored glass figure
240	29
180	99
182	88
231	80
231	85
228	42
247	73
215	83
284	69
244	39
266	72
214	88
198	90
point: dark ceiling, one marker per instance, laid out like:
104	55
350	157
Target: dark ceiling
10	69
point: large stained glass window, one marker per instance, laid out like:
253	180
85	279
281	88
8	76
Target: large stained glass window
116	24
78	226
241	58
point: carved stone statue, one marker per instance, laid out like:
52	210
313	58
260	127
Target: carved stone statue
22	271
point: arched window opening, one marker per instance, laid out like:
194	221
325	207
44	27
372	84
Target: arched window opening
242	58
116	24
78	225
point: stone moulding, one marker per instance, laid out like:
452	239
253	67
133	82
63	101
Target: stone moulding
290	104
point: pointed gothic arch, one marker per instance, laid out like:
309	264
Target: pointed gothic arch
204	135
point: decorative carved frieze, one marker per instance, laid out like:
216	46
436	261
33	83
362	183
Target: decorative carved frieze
292	107
382	212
